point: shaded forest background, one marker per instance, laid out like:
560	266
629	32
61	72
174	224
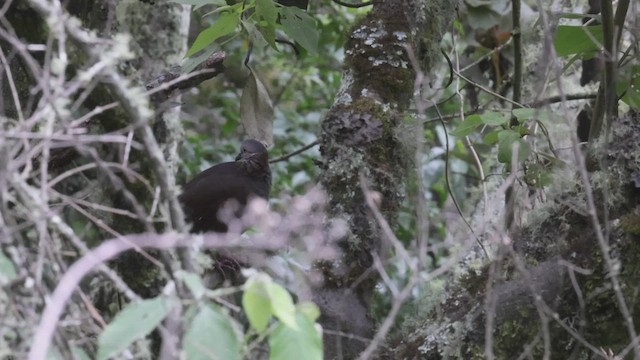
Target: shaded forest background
451	179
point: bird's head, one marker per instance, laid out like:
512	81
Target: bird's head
253	150
254	159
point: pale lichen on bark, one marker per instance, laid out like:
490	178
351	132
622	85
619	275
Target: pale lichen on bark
359	137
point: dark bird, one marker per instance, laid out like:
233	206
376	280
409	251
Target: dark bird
205	195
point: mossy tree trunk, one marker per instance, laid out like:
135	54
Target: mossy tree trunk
552	292
359	139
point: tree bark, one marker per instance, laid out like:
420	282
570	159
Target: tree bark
359	138
551	292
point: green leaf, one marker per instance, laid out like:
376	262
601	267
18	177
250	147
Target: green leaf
300	27
506	141
193	282
257	303
7	269
282	305
630	87
263	298
132	323
267	14
524	114
225	24
267	11
491	137
212	335
306	343
468	125
254	34
571	40
309	309
495	118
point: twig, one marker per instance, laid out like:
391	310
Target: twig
488	91
301	150
351	5
12	86
162	87
386	229
422	219
558	98
390	319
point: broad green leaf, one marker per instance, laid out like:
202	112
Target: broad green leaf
309	309
468	125
225	24
570	40
256	303
256	110
305	343
629	87
132	323
506	141
300	27
491	137
282	305
193	282
525	114
79	353
266	10
212	335
7	269
267	14
255	34
495	118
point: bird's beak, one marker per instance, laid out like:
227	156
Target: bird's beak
239	156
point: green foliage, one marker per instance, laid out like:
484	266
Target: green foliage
570	40
213	335
300	27
226	24
469	125
263	299
301	86
260	20
134	322
7	269
629	86
287	343
266	15
194	283
507	139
